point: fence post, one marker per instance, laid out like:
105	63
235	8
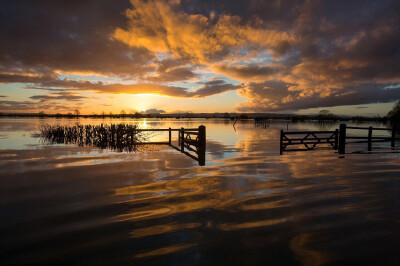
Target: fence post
169	134
202	145
342	139
393	136
182	139
280	143
369	138
336	139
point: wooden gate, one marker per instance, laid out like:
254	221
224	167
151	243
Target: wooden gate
308	139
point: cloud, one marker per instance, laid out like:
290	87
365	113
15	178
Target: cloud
208	89
25	77
214	87
250	72
68	37
117	88
29	106
66	96
165	27
277	96
289	54
172	74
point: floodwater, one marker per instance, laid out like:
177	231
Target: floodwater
65	204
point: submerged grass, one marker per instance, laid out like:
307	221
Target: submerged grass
119	137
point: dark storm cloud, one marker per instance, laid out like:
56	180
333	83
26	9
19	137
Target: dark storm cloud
71	36
276	96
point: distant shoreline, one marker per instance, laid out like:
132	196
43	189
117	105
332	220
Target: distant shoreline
232	116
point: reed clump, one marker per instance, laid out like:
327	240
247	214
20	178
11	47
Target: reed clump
119	137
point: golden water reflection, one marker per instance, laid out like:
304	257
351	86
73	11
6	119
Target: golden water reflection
248	205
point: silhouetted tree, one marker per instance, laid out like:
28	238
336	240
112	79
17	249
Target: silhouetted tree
394	114
325	115
77	113
41	114
122	113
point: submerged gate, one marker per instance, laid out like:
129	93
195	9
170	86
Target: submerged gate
308	139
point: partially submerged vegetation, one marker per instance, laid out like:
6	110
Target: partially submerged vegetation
119	137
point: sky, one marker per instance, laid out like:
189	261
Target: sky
278	56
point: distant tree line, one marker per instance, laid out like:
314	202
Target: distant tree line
324	115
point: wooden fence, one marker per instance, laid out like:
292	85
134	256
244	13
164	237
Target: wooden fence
191	139
121	137
337	139
369	139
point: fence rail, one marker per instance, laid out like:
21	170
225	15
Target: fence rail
337	139
165	129
193	139
364	139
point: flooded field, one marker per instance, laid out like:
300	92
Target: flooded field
81	205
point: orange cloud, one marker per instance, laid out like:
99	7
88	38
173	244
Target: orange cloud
162	27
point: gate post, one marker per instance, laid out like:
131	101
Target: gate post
393	136
342	139
336	139
202	145
280	143
369	138
182	133
169	135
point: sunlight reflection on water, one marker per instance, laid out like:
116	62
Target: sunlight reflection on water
63	204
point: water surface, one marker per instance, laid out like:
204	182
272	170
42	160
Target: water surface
64	204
